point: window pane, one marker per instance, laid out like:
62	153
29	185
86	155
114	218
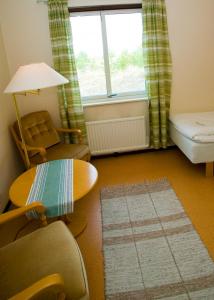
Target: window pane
124	35
87	42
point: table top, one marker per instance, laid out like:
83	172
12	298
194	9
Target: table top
84	178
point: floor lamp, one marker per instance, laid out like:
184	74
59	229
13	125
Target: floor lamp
30	79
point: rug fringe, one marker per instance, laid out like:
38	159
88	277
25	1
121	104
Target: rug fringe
158	180
146	181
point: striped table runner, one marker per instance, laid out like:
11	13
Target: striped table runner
53	186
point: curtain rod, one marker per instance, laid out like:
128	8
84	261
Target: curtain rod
105	7
98	7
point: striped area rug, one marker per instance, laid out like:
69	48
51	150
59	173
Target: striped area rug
151	249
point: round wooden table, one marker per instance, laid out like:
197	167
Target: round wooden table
84	178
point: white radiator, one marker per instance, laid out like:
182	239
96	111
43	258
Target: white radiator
117	135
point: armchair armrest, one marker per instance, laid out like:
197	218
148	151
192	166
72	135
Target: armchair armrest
53	282
10	215
42	151
76	131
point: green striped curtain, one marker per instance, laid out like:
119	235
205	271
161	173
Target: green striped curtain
71	110
158	74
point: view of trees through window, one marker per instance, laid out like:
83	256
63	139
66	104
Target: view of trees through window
108	53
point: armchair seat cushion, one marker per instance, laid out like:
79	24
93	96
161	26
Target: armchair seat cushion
48	250
64	151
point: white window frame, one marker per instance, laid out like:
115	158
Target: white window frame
109	97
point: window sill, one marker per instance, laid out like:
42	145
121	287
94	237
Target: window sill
112	102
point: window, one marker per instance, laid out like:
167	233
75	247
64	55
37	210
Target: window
108	53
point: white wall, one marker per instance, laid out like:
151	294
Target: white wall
26	39
10	163
191	34
191	31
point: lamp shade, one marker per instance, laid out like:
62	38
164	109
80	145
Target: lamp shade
34	77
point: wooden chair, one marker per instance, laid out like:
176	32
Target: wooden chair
43	141
45	264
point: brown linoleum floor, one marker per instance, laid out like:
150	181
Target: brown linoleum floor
195	191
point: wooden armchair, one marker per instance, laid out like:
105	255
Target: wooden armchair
45	264
43	141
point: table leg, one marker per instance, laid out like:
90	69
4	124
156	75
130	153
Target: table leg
76	222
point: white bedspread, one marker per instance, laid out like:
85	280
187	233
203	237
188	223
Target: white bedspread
196	126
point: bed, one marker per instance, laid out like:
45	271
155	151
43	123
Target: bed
193	133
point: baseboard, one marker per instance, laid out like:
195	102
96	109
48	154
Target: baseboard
149	149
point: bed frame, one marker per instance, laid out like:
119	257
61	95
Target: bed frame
196	152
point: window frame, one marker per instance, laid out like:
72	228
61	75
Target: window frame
102	12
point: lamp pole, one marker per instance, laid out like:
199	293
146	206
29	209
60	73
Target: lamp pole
20	130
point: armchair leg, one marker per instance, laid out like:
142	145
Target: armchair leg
43	219
88	157
209	169
61	296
